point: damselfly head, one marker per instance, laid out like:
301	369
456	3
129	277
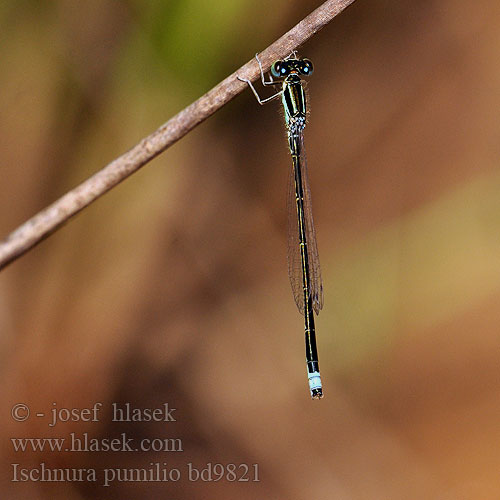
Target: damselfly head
283	68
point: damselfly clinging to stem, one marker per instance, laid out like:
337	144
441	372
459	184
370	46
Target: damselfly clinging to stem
303	260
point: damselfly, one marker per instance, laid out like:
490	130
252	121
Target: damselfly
303	260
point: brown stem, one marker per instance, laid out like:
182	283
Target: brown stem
55	215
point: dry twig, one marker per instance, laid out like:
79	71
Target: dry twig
51	218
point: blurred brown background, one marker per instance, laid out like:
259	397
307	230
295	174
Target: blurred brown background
173	287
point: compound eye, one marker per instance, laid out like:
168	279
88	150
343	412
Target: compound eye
307	67
277	68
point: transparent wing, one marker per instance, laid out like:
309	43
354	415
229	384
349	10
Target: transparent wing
294	259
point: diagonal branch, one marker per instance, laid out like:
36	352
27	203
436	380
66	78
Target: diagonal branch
55	215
